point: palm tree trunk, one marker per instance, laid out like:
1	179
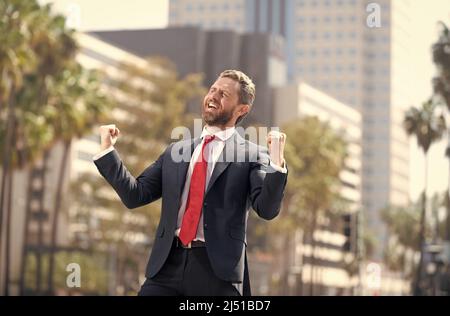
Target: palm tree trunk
447	233
6	162
447	226
417	285
8	233
56	213
26	233
287	264
40	235
313	249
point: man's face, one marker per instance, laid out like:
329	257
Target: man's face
221	103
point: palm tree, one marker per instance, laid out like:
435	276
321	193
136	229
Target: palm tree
12	66
427	128
441	83
56	47
55	96
403	224
79	105
316	154
16	60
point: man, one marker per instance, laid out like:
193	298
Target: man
200	242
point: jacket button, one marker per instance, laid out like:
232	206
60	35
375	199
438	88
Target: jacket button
205	204
205	226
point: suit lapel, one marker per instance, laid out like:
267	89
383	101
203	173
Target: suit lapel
229	153
182	167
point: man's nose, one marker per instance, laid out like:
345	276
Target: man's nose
214	96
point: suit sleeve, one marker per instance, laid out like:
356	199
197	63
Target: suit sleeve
266	186
134	192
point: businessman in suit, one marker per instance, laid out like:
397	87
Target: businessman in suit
200	242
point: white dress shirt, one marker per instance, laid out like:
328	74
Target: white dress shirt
212	152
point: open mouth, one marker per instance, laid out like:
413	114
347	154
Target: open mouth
212	106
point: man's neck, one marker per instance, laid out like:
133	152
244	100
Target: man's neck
217	128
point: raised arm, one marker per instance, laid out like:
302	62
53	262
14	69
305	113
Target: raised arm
133	192
268	177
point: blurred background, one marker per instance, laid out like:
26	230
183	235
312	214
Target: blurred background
361	88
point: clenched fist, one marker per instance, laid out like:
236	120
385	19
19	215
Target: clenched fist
108	135
275	143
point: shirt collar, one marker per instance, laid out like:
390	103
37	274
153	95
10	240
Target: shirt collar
223	135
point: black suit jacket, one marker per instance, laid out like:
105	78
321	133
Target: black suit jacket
242	178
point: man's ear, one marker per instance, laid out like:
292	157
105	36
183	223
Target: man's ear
244	109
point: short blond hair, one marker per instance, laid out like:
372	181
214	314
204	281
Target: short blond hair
247	87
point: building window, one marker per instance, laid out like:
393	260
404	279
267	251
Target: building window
369	88
348	184
326	52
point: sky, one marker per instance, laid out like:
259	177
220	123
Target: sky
135	14
115	14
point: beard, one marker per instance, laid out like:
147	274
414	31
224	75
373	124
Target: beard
217	117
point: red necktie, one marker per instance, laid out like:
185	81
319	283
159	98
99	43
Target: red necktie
194	202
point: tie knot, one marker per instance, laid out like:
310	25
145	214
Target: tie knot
209	138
